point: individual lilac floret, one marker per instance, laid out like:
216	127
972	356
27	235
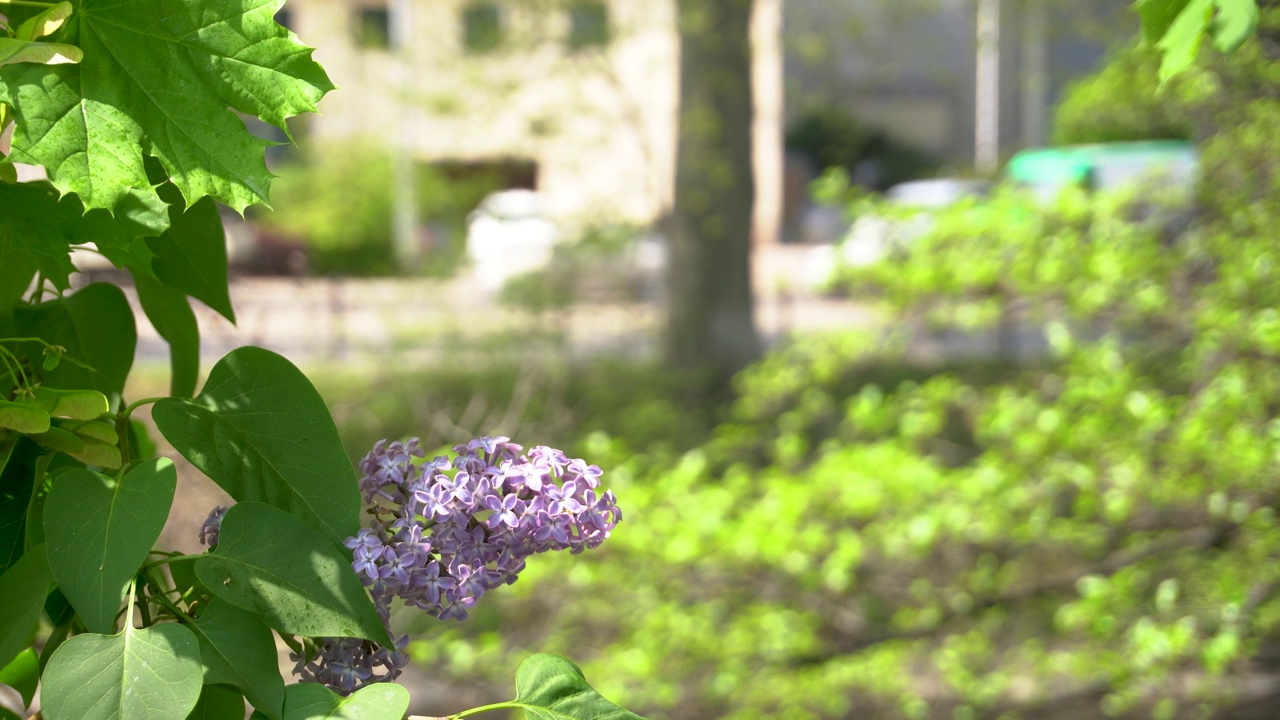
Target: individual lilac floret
446	531
212	525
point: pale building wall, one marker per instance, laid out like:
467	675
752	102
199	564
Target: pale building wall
600	124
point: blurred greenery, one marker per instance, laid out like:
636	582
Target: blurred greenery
336	204
1082	526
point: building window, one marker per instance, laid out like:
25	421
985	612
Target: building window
373	28
588	24
481	27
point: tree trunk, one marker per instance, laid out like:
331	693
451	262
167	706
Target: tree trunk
710	329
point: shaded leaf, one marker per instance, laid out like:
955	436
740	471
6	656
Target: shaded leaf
40	226
17	482
23	588
165	92
99	530
16	272
22	674
312	701
24	417
147	674
171	316
261	431
236	648
274	564
55	438
218	703
549	687
1157	16
192	255
94	322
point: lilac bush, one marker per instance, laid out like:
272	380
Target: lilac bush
445	531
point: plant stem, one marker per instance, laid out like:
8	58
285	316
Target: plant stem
167	560
172	608
28	3
509	705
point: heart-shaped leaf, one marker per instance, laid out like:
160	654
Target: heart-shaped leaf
278	566
23	588
549	687
312	701
236	648
219	703
191	255
99	530
261	431
148	674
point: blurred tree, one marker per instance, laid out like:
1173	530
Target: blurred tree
710	328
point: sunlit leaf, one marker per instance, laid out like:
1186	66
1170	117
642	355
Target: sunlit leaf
147	674
312	701
549	687
161	77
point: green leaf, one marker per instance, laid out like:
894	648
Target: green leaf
261	431
95	322
17	482
312	701
1181	41
99	530
218	703
74	404
22	51
236	648
1235	22
55	438
24	417
278	566
40	226
171	315
1157	16
22	674
192	255
147	674
23	588
16	273
160	77
46	22
548	687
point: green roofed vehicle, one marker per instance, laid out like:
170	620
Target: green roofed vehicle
1105	166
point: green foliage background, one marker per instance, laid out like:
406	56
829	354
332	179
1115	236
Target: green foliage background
1086	528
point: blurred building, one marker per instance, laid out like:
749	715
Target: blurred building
909	67
578	98
574	98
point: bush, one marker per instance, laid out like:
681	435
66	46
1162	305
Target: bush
1089	533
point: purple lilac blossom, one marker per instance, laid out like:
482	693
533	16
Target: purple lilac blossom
447	530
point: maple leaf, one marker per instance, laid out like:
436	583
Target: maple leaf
160	78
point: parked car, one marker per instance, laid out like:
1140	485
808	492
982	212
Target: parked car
873	236
1171	164
509	235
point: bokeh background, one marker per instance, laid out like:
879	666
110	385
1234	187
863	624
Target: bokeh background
929	345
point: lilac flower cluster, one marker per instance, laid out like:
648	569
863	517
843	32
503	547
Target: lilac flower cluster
446	531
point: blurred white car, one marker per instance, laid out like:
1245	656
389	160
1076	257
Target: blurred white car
873	236
509	235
